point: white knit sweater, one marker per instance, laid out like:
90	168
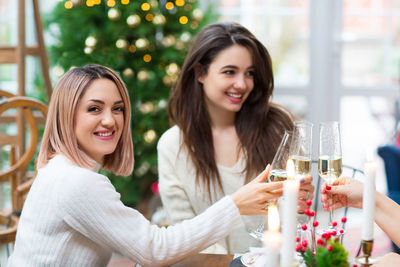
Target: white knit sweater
74	217
183	199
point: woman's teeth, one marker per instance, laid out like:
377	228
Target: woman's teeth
104	134
234	95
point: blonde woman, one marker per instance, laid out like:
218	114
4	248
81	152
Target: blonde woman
74	217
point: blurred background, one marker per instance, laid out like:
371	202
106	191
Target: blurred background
333	60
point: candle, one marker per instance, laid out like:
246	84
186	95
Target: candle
272	238
369	199
289	216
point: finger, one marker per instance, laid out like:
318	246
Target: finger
272	186
274	195
306	180
303	194
307	187
262	176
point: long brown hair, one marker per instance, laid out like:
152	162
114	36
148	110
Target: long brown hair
260	124
59	135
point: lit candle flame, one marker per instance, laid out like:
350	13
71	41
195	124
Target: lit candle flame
273	218
290	169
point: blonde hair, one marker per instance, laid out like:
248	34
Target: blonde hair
59	135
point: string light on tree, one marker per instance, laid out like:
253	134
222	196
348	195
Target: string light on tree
114	14
121	44
194	25
88	50
153	3
179	45
145	6
167	80
132	48
147	58
124	2
198	14
143	76
58	71
146	108
150	136
168	41
169	5
128	73
68	5
162	103
149	17
91	41
90	3
142	43
159	19
183	20
185	37
142	169
179	2
172	69
133	20
110	3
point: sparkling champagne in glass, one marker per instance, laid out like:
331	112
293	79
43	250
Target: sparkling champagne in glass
330	156
278	165
301	148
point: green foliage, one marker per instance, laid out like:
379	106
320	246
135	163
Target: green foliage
101	34
337	257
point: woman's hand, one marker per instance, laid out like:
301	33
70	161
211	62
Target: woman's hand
344	192
390	259
306	191
252	198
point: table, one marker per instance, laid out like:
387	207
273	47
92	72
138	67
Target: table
201	260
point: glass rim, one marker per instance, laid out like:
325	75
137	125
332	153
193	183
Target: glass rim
329	123
303	122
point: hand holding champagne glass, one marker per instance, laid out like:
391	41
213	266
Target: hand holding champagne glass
330	156
277	173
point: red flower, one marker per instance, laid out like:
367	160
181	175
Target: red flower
329	247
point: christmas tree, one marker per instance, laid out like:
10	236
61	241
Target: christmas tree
146	42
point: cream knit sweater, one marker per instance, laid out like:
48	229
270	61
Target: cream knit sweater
183	199
74	217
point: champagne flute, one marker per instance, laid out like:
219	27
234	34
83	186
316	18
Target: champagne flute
300	153
301	148
255	225
330	156
278	165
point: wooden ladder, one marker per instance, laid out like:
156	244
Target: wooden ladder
17	54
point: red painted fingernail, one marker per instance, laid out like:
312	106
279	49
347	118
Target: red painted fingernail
328	187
